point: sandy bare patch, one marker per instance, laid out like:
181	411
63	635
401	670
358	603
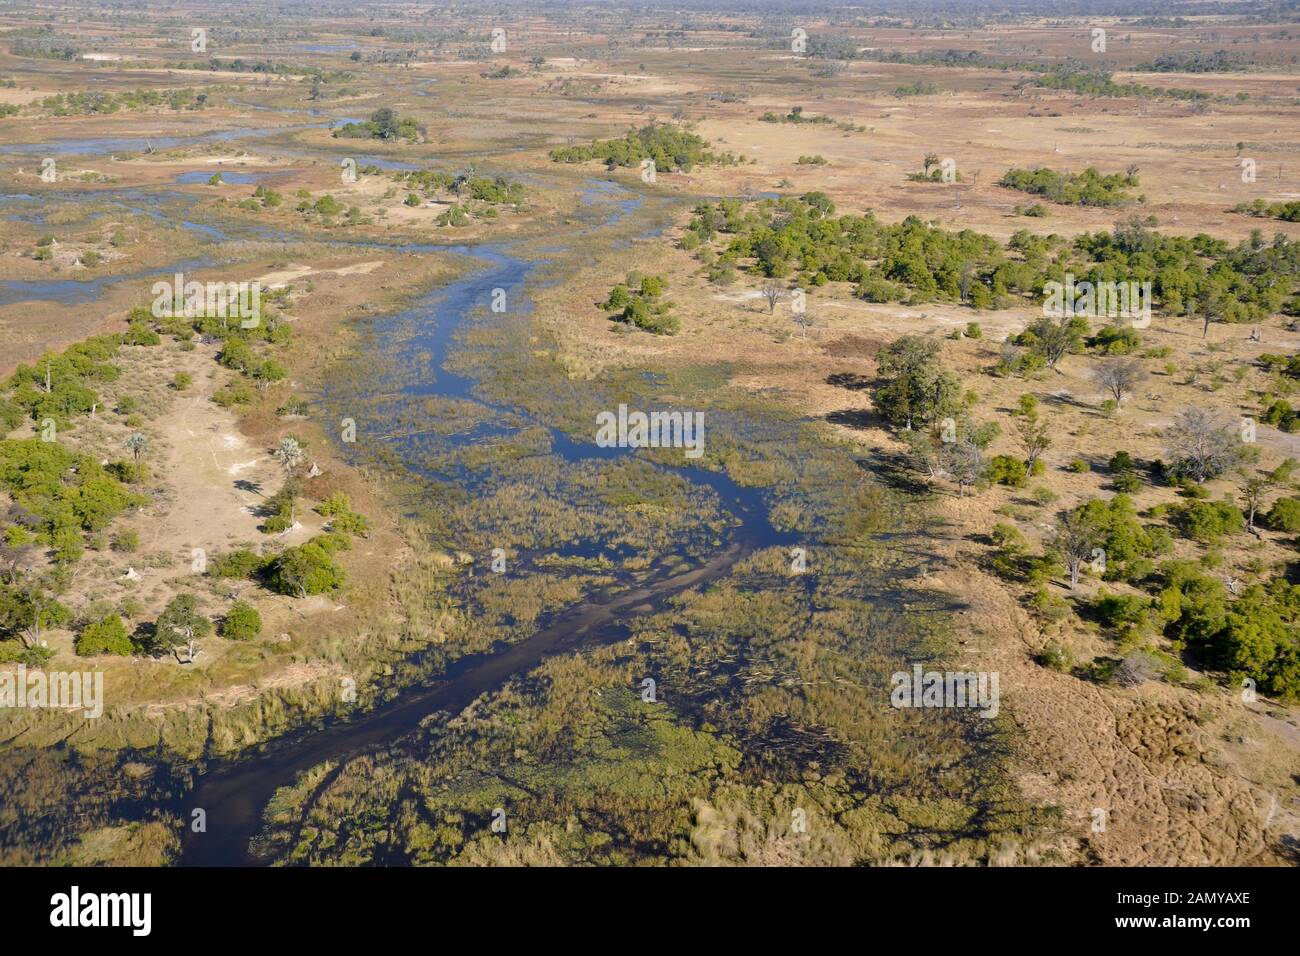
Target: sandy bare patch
282	277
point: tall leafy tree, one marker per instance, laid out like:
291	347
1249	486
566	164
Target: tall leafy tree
916	389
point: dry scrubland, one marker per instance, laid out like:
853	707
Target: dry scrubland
1186	772
209	473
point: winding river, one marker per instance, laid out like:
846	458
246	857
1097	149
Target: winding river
234	792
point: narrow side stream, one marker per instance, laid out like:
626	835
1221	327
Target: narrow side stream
234	793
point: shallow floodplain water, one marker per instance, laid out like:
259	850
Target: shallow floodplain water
446	350
427	329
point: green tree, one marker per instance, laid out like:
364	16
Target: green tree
242	622
1076	536
180	626
1036	436
916	389
384	123
1053	338
28	606
1284	515
309	568
108	635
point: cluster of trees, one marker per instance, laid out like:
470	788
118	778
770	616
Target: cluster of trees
60	386
299	571
1253	636
670	147
385	124
176	631
1083	78
920	88
1288	365
1250	635
932	171
276	68
827	46
307	569
1286	211
1247	635
241	350
915	262
493	190
454	215
61	499
1282	416
924	400
916	389
61	496
327	207
1279	412
262	198
1088	188
47	47
1220	61
796	115
639	301
948	58
96	102
1045	341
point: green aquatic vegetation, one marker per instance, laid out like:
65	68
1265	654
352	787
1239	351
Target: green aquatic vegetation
587	765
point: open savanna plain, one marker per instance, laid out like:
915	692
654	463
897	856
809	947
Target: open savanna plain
365	562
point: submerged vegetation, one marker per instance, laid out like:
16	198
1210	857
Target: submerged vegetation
382	508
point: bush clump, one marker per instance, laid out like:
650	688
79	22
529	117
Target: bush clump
108	635
242	622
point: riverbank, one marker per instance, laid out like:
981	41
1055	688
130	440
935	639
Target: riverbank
513	474
707	699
